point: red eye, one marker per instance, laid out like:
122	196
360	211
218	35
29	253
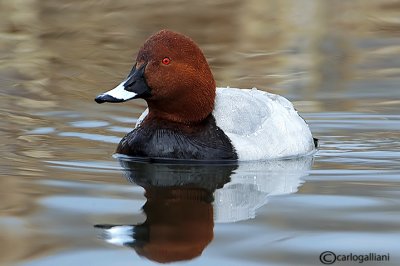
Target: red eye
166	61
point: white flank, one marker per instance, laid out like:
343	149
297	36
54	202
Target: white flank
261	125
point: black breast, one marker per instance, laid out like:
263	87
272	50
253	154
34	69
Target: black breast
163	139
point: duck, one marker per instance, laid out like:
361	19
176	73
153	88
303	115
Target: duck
189	118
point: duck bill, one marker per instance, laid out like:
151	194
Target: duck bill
134	86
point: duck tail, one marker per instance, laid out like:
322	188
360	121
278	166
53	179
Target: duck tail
316	142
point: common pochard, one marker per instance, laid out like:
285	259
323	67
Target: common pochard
189	118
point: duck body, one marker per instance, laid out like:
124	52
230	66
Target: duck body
189	118
251	125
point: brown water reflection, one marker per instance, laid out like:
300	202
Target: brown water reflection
337	60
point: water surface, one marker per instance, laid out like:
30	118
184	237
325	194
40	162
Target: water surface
61	189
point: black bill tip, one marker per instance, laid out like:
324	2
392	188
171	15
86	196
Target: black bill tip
102	98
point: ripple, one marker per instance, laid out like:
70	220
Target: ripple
82	165
89	124
120	129
42	130
96	137
93	205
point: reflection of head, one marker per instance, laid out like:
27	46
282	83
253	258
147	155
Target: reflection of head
179	210
179	224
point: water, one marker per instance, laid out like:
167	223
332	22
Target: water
62	191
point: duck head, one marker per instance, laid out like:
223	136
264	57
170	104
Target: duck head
173	76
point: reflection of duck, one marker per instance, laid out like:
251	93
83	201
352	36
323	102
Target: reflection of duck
179	210
253	183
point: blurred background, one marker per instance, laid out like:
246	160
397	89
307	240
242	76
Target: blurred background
338	61
306	49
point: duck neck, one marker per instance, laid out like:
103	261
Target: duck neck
184	112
